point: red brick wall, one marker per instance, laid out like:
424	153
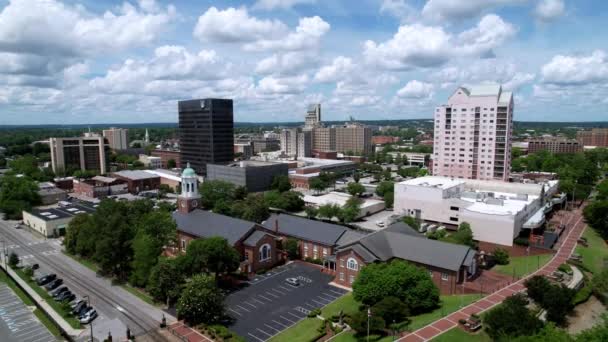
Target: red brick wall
299	182
84	189
384	139
514	250
307	250
166	155
254	254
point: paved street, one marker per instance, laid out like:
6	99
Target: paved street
270	305
117	308
17	322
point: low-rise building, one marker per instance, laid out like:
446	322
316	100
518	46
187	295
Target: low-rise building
554	145
168	177
309	168
497	211
99	187
254	175
53	222
384	139
448	264
151	161
50	194
138	180
166	155
369	206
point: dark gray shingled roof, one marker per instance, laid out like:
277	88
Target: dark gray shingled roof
401	227
254	238
315	231
203	223
387	244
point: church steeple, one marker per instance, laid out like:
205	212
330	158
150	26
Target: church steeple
189	199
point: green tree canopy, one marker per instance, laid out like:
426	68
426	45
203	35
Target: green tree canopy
201	301
214	191
281	183
16	195
212	255
355	189
511	319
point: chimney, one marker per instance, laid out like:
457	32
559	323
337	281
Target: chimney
276	225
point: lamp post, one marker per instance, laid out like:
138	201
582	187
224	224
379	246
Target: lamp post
369	315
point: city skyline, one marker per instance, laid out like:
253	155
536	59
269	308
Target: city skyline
124	62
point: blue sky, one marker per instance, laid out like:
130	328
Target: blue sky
93	61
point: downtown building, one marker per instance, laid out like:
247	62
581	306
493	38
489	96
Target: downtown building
118	138
296	142
206	133
595	137
88	153
556	145
473	134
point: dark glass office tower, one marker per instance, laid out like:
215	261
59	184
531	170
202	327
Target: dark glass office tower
205	133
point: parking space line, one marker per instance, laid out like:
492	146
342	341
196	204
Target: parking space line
310	305
268	299
336	292
242	308
294	315
275	296
326	295
281	324
287	319
320	303
250	304
284	288
275	329
263	332
36	335
275	290
236	312
257	338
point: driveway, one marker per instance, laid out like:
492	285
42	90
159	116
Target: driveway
270	305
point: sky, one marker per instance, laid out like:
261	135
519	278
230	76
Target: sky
95	61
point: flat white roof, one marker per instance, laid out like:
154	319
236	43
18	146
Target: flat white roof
338	198
509	205
434	182
168	174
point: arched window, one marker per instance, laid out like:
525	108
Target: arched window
352	264
265	252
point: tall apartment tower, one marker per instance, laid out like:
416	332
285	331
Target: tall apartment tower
206	133
296	142
473	134
117	138
354	137
313	116
89	153
594	137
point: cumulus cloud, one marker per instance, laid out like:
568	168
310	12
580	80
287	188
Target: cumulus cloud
307	35
269	5
456	10
573	70
418	45
287	63
235	25
399	9
484	71
547	10
416	90
283	85
340	68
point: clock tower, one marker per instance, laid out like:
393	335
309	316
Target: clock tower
190	198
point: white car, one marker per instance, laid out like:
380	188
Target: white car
293	281
88	317
380	223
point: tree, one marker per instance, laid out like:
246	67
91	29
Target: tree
536	287
214	191
253	208
412	222
292	201
171	164
360	319
329	211
292	248
385	187
548	333
240	193
464	235
356	176
387	175
13	260
411	284
317	184
391	309
146	251
78	223
201	301
389	199
212	255
160	226
595	215
166	280
16	195
558	302
351	210
355	189
311	212
501	256
511	319
281	183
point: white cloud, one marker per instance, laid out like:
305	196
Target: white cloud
307	35
547	10
518	80
289	63
340	68
416	90
283	85
399	9
364	100
490	70
418	45
572	70
235	25
269	5
455	10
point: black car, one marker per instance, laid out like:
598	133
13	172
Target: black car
35	266
54	284
80	306
66	296
46	279
84	312
59	297
58	290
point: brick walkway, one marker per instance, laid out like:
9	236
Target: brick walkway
565	250
186	333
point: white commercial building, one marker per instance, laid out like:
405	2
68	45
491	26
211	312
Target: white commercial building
118	138
368	206
473	134
497	211
150	161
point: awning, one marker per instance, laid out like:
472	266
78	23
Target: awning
536	220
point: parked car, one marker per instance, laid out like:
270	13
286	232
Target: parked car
17	226
58	290
81	310
80	305
61	296
88	317
46	279
68	297
85	312
35	266
380	223
54	284
76	302
293	281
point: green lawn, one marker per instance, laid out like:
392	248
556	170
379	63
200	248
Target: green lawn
44	319
459	335
84	262
306	329
140	294
594	255
521	266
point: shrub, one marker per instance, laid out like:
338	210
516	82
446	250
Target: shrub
501	256
261	271
565	268
582	295
520	241
13	260
511	319
313	261
314	313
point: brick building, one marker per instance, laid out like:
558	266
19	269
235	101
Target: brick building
554	145
99	187
594	137
384	139
138	180
166	155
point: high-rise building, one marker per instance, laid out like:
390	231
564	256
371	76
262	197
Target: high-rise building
296	142
473	134
554	145
304	144
355	138
206	133
594	137
118	138
313	116
324	139
88	153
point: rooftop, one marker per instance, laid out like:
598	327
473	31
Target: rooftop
484	90
168	174
135	174
201	223
434	182
338	198
310	230
58	213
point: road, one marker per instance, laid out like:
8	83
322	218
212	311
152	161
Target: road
118	309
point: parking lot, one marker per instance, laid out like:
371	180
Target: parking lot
271	305
17	322
369	222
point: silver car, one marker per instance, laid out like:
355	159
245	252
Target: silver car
293	281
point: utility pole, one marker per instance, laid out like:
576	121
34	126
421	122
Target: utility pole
369	315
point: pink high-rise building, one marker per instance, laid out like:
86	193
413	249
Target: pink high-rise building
473	134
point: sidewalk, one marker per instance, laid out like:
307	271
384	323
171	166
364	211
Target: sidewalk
566	247
65	326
